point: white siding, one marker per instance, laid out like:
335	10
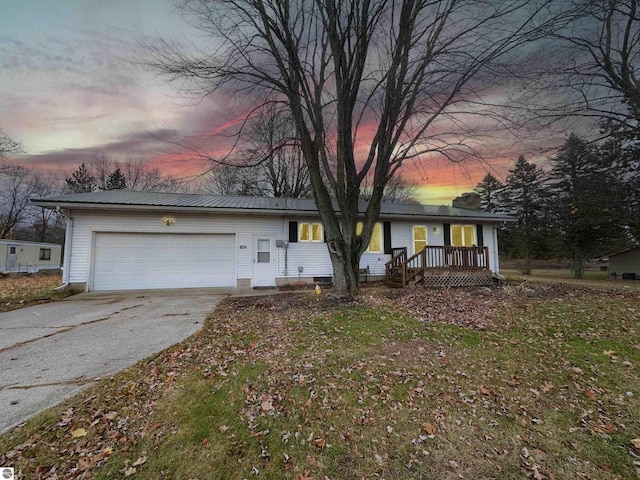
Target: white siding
402	236
245	228
312	257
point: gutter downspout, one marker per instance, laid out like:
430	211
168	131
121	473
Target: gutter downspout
496	260
286	246
67	252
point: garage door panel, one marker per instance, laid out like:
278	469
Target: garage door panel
124	261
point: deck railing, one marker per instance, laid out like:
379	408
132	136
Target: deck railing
407	269
460	258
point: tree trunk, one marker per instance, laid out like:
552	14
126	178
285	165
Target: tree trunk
578	265
345	270
527	264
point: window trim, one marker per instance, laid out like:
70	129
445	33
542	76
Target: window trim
310	226
378	225
426	237
463	226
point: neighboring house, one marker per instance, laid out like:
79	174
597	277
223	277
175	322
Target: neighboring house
20	256
625	264
117	240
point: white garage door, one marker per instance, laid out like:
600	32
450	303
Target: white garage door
126	261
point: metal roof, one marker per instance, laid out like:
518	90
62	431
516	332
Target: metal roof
129	200
28	243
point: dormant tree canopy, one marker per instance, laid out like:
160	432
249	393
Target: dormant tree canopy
369	84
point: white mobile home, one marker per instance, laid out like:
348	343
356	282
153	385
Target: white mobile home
31	257
119	240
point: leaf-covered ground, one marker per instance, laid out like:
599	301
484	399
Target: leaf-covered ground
30	289
513	381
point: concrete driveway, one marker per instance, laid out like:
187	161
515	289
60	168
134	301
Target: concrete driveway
51	351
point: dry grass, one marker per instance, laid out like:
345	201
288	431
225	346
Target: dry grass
294	387
592	278
29	289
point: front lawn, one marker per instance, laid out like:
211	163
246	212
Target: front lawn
517	381
29	289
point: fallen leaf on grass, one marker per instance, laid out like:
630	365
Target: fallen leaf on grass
546	387
536	473
78	432
590	394
129	471
430	428
319	442
636	443
140	461
484	390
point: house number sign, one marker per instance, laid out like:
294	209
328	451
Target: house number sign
242	247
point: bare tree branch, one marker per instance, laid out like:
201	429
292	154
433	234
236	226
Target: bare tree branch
368	83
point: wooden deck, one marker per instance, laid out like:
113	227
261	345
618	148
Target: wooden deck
439	266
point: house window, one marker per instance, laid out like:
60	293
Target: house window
310	232
375	243
45	254
463	235
419	238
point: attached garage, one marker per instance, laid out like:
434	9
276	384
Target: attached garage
129	261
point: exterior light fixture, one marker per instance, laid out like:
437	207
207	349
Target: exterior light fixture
168	221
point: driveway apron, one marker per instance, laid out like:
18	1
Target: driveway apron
51	351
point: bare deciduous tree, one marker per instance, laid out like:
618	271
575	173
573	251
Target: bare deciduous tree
45	220
397	190
100	172
369	84
270	164
17	185
8	146
282	171
588	69
229	180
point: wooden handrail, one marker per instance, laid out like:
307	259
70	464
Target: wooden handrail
397	264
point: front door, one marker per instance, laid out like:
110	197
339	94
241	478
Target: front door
263	262
12	258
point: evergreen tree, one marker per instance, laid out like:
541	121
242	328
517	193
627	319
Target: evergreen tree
585	201
81	181
522	198
116	180
489	190
622	155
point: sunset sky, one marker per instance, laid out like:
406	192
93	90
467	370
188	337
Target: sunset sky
70	89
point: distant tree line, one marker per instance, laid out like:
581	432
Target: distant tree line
21	220
280	172
586	203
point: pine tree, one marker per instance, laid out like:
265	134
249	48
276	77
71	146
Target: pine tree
81	181
116	180
586	202
622	155
489	190
522	198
